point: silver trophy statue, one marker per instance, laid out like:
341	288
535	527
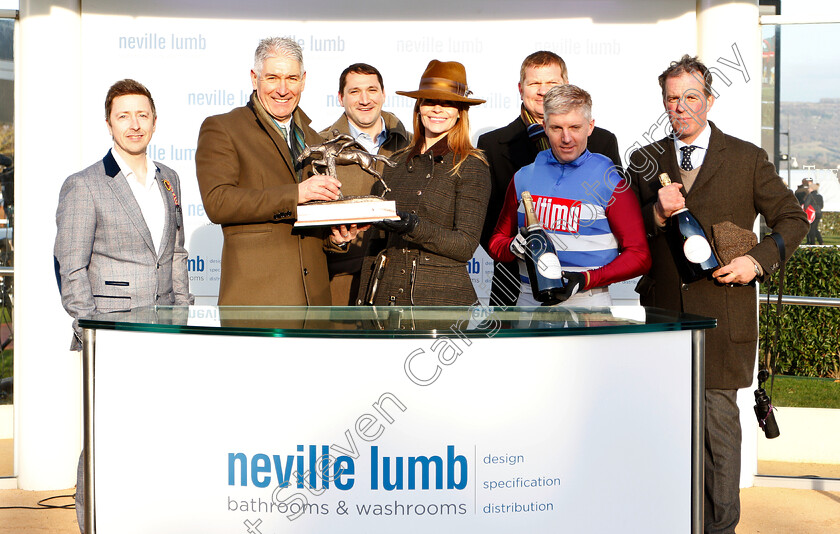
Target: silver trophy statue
342	149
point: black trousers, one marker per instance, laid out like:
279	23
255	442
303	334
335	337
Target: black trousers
506	287
814	234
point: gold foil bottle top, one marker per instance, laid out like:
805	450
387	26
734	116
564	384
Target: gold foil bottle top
528	204
664	179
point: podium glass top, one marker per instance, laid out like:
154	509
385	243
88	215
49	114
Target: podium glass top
395	321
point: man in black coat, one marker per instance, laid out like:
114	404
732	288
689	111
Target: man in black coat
815	200
802	191
516	145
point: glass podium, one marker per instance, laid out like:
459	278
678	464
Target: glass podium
382	419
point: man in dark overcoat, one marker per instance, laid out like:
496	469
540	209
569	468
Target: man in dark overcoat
718	178
516	145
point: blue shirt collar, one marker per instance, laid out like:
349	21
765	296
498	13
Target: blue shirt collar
371	145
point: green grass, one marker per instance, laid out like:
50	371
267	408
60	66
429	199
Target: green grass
805	392
7	362
827	240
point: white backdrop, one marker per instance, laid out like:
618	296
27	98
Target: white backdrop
196	67
67	54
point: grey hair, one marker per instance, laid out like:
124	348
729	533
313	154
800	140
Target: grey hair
277	46
562	99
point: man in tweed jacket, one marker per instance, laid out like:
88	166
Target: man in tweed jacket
718	178
120	240
362	92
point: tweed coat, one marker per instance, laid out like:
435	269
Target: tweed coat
508	149
735	183
248	184
354	180
357	182
428	266
104	253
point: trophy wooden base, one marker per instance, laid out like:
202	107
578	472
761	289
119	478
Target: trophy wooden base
355	210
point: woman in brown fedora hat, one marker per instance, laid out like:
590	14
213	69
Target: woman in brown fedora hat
441	185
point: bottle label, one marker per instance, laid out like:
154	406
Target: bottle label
697	249
549	266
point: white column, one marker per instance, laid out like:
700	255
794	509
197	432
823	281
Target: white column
729	41
47	150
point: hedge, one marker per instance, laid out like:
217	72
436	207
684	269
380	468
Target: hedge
809	338
830	223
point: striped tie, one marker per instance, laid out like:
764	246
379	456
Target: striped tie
297	142
296	146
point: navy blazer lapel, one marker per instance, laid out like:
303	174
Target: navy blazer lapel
514	132
122	191
520	150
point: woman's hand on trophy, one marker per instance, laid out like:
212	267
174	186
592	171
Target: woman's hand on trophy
407	223
343	234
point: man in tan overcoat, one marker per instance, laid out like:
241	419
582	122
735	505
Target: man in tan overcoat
251	184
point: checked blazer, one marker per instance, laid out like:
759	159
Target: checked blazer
104	256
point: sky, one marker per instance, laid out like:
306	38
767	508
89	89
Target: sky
810	68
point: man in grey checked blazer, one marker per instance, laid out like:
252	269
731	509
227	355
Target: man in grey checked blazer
120	240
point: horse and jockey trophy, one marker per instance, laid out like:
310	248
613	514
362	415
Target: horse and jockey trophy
344	150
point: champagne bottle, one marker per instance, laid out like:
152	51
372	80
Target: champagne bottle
688	242
544	270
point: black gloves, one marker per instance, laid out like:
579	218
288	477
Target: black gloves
574	283
407	223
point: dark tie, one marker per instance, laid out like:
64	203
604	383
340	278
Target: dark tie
685	162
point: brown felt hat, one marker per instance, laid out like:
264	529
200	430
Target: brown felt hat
444	80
